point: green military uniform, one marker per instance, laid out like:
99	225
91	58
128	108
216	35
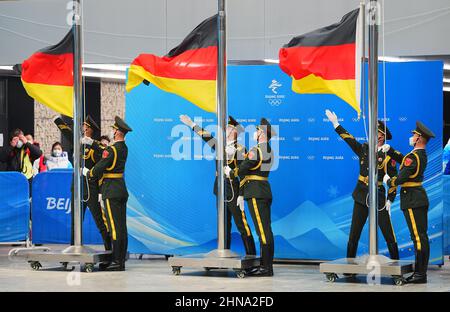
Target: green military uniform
232	189
414	200
110	172
386	165
255	187
91	155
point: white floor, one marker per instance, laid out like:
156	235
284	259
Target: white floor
155	275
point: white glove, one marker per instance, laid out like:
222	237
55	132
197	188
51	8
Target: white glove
100	197
85	171
385	148
87	141
227	171
388	206
332	118
240	202
230	150
386	178
187	121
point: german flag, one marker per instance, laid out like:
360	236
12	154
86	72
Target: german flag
188	70
47	76
326	61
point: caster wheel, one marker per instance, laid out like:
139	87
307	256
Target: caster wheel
331	277
240	274
64	265
176	270
35	265
399	280
89	268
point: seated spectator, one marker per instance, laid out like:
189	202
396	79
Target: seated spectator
17	155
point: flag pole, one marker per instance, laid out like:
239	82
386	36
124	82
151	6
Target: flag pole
221	122
77	121
373	126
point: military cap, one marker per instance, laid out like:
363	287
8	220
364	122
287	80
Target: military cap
265	126
91	123
232	122
422	130
121	125
385	130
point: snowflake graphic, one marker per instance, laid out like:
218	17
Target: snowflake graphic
332	191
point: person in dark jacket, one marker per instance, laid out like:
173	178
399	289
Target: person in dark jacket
18	154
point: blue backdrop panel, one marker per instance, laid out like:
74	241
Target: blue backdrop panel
52	210
446	194
14	207
171	208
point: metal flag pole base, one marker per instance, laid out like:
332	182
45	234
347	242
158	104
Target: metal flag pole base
85	256
215	259
370	265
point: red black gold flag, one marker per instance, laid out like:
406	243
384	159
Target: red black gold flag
188	70
326	60
47	76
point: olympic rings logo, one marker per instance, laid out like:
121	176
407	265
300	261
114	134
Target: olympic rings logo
403	118
275	102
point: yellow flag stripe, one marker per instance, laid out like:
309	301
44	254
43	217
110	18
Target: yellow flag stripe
57	98
199	92
344	89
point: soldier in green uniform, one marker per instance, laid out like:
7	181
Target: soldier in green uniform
413	197
386	166
110	171
235	155
92	154
255	189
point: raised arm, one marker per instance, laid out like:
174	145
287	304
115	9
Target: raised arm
205	135
344	134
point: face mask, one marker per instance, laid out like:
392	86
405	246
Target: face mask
19	144
112	134
255	136
412	142
57	153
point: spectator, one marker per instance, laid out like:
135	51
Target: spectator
31	140
104	140
17	155
59	159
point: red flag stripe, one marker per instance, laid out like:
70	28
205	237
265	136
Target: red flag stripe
328	62
197	64
50	69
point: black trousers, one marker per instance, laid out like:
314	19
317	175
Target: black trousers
260	211
117	220
359	218
240	219
90	196
417	220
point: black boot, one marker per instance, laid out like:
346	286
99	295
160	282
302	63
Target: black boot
393	251
417	278
262	272
116	266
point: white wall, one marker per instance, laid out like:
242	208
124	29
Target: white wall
116	30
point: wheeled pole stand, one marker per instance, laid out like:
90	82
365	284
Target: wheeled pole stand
77	253
220	258
372	265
